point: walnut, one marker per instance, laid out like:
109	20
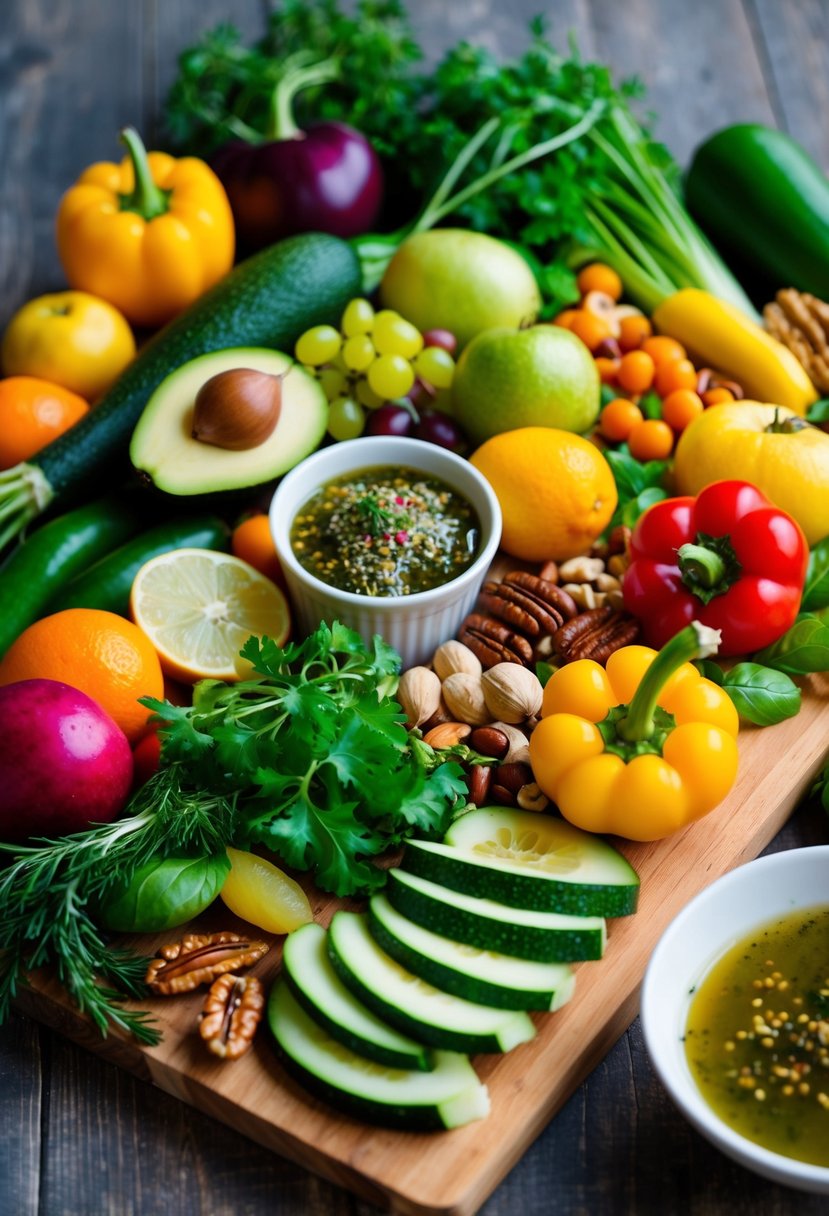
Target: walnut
801	322
198	959
232	1011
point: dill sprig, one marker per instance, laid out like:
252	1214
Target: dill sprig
48	893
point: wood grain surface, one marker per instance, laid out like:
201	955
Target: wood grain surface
83	1137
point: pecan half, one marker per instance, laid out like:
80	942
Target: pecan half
493	642
232	1010
198	959
596	634
528	602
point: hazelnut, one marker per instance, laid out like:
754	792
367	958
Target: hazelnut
419	694
464	695
237	409
453	657
512	693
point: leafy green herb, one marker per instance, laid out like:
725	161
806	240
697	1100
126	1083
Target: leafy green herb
818	412
317	754
711	670
761	694
801	649
379	519
49	892
816	587
548	145
639	486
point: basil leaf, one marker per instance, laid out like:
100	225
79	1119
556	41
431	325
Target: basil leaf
761	694
631	476
801	649
818	412
160	895
816	587
638	505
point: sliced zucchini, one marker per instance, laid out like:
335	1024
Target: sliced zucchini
312	979
414	1006
529	861
448	1096
468	971
545	937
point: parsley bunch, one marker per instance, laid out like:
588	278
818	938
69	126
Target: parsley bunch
316	754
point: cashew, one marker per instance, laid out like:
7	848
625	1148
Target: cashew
581	570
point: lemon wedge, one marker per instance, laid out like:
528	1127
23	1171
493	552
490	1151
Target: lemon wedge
198	608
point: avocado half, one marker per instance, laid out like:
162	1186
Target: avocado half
162	447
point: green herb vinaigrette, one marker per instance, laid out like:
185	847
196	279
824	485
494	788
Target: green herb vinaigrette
757	1039
386	532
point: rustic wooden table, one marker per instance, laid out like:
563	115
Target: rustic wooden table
78	1136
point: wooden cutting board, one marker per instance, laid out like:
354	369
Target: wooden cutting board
454	1172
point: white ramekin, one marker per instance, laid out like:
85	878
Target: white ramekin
413	624
714	921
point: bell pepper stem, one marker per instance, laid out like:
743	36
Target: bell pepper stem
695	641
298	76
148	199
702	565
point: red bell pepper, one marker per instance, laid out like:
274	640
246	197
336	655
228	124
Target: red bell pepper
727	558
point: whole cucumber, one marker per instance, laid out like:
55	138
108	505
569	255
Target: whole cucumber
55	553
107	584
761	198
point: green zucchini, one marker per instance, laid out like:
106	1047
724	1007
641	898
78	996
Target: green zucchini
53	554
476	975
108	582
528	861
415	1007
543	937
448	1096
761	198
311	977
268	300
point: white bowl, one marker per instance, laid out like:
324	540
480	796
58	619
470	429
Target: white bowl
713	922
414	625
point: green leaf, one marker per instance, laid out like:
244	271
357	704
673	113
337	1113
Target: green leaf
816	587
818	412
637	506
802	649
761	694
711	670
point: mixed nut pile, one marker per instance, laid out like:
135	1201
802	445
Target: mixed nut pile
481	695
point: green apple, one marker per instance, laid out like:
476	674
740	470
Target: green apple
466	282
510	378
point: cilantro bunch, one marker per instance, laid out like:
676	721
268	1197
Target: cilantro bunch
316	755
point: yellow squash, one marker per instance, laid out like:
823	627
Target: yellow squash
771	447
720	335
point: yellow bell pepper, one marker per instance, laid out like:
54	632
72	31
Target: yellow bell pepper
773	448
720	335
149	235
642	748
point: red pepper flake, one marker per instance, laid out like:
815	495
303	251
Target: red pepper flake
401	537
400	501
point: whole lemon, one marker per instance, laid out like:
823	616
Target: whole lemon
511	378
462	281
556	491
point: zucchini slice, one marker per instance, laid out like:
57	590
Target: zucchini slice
529	861
468	971
544	937
311	977
448	1096
414	1006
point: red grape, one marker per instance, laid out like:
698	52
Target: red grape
440	429
442	338
390	420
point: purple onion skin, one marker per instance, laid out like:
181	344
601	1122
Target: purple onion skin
328	179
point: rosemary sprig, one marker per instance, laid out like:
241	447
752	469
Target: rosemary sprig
48	891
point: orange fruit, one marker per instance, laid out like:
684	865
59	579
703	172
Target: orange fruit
716	396
556	491
633	330
618	418
678	373
591	329
663	349
681	407
652	439
252	541
636	370
199	607
100	653
599	277
607	368
32	413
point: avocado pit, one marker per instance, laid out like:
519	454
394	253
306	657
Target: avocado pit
237	409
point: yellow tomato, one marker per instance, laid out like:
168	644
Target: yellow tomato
767	445
70	338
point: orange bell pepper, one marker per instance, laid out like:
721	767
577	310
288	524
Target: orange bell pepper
149	235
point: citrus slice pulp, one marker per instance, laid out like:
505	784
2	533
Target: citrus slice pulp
198	608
